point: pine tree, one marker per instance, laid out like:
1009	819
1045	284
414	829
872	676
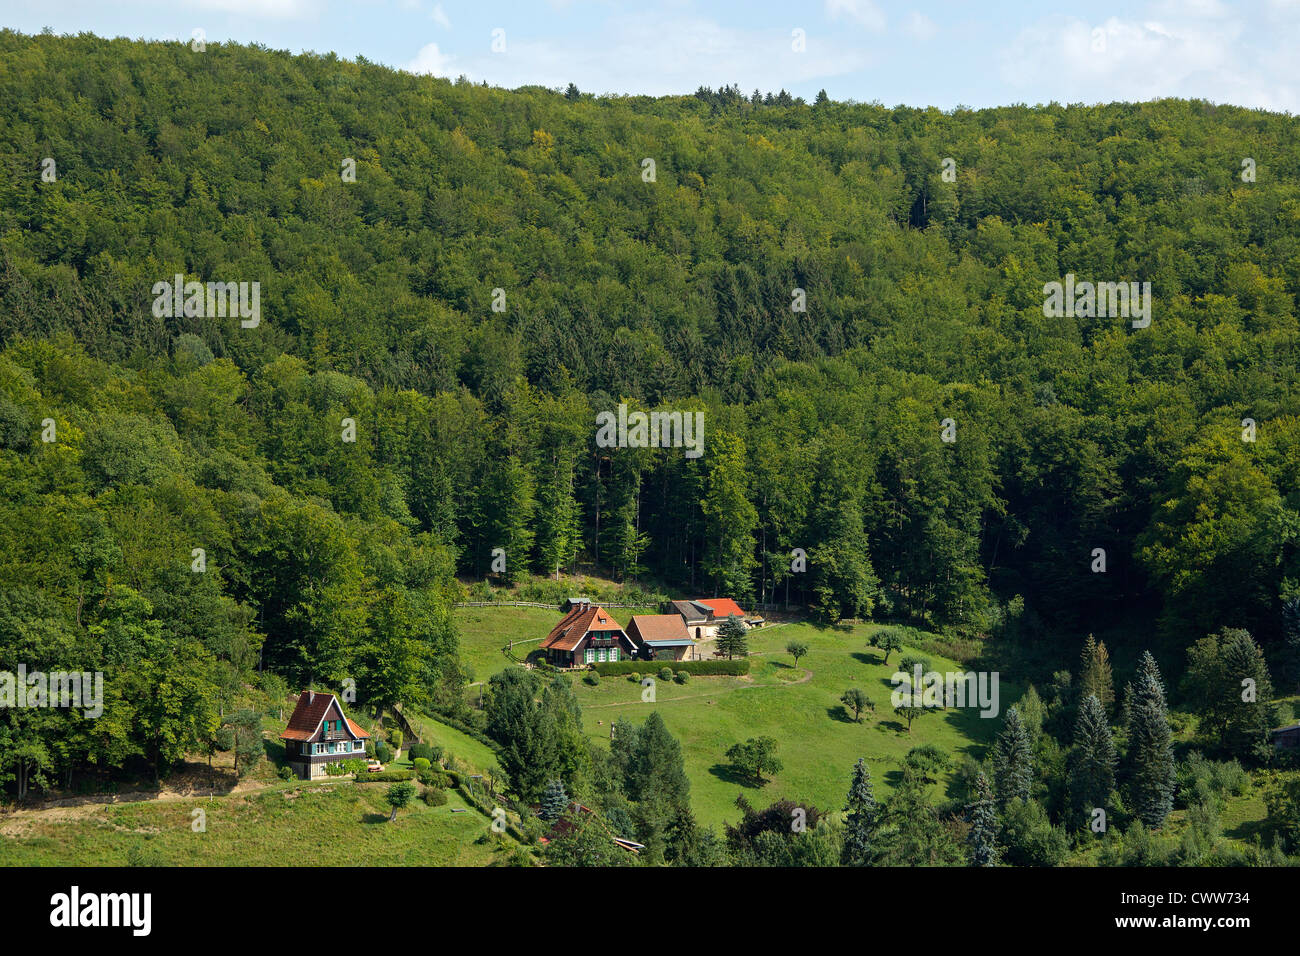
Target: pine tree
1092	761
982	816
554	802
733	638
1150	746
1013	759
1094	674
863	817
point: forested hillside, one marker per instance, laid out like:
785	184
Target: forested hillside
474	427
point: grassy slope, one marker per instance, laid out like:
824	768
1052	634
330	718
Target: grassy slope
330	824
817	743
485	630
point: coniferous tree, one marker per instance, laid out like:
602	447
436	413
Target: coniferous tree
1092	761
555	801
733	638
860	825
1094	673
1228	684
1013	759
981	814
1151	752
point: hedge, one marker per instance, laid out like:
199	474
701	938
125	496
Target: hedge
385	776
732	668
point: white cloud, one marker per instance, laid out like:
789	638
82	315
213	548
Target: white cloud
863	12
920	26
270	9
648	54
439	17
1186	48
431	60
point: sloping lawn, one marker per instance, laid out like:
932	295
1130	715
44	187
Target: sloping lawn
817	740
485	630
314	825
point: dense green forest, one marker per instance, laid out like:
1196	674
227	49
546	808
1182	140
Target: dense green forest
127	440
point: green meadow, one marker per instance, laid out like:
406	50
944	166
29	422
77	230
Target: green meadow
329	824
818	741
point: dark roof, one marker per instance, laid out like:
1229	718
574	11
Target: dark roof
691	611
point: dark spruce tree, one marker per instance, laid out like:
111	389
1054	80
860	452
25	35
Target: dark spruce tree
1151	752
860	825
1092	761
1013	759
981	814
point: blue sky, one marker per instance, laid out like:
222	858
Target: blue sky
935	53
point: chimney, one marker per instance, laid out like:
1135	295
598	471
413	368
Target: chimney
311	696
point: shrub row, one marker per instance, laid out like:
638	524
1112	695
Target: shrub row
732	668
385	776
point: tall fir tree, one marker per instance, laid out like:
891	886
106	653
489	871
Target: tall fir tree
1094	674
1092	761
982	837
733	638
1013	759
1151	752
863	818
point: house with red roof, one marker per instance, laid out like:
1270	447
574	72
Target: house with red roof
587	634
703	616
319	733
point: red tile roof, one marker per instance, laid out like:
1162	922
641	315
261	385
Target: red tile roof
722	607
309	712
575	625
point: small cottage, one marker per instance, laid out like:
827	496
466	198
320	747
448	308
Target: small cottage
704	616
587	635
319	733
1287	738
661	637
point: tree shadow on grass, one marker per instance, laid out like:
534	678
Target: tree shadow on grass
727	774
1249	829
862	657
374	818
896	726
841	713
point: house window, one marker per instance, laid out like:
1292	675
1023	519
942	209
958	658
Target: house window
613	653
590	655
